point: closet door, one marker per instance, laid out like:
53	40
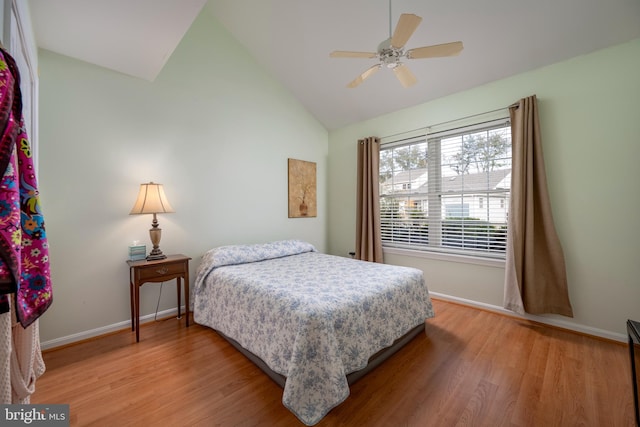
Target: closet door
19	41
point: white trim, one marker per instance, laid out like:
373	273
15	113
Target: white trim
559	323
588	330
80	336
23	17
444	256
19	36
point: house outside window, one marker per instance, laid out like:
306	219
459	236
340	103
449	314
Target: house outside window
448	191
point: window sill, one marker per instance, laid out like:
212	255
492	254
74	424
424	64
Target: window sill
466	259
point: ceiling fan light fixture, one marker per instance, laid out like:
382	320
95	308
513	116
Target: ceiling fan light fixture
390	57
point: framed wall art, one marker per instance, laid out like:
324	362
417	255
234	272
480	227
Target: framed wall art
302	189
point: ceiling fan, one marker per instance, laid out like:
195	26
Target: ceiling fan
391	51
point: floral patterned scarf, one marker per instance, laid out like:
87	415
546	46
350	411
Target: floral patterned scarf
24	254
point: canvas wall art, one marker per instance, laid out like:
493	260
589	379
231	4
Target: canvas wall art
302	189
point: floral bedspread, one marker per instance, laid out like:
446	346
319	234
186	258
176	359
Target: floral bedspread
311	317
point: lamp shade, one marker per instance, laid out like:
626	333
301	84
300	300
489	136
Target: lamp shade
151	200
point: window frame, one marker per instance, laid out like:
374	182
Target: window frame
433	139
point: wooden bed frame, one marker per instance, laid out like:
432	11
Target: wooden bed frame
374	361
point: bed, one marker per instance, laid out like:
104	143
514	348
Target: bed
314	322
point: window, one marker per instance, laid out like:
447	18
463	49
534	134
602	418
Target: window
447	191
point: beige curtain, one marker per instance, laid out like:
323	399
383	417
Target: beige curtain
535	275
368	240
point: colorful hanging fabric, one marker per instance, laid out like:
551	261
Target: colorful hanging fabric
24	251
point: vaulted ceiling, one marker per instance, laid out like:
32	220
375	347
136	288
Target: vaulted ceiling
292	40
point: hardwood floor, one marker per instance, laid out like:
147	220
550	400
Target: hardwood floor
470	368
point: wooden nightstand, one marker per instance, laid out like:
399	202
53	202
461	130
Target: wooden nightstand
141	272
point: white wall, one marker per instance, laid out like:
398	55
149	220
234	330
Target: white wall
214	128
590	119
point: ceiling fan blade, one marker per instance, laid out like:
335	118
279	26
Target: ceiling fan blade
404	74
348	54
407	24
362	77
435	51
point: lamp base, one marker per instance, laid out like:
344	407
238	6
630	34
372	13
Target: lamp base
155	233
155	257
155	254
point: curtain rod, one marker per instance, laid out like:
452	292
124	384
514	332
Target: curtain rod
449	121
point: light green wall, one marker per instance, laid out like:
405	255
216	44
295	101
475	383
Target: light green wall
214	128
217	130
590	119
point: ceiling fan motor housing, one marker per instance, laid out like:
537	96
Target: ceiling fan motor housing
389	55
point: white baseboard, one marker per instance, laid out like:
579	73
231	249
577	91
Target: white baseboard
588	330
69	339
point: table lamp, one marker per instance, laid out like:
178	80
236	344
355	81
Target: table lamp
152	200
